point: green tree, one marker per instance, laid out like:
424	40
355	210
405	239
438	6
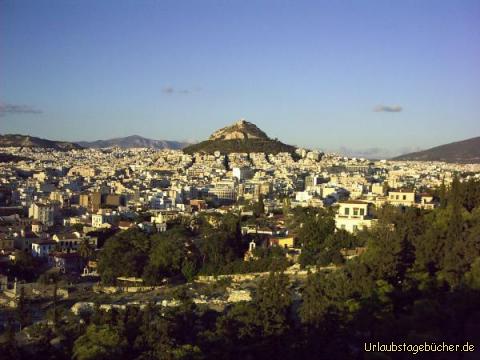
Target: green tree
100	342
25	266
22	310
168	256
385	254
85	250
312	235
124	254
9	348
259	207
221	245
273	299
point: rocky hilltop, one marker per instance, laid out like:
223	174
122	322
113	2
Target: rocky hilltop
15	140
466	151
240	130
242	137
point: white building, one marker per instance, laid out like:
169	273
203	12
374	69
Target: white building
160	201
401	198
42	248
242	173
103	219
304	196
224	190
71	241
354	215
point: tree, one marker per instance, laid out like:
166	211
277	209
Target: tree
9	348
168	256
455	261
85	250
287	206
312	234
430	246
124	254
99	342
23	310
259	207
221	245
226	162
25	266
273	299
443	195
384	255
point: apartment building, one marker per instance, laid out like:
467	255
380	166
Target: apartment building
43	213
354	215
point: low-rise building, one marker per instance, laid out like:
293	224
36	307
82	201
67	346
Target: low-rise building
70	241
354	215
284	242
43	248
401	198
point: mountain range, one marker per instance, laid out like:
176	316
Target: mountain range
466	151
16	140
134	141
242	137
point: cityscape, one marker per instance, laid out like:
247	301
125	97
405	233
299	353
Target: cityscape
279	235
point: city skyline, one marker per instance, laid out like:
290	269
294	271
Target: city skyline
351	75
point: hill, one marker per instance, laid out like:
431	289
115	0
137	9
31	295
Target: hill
243	137
134	141
466	151
15	140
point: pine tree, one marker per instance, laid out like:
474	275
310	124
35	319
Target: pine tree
23	310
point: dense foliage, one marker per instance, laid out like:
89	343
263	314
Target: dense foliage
267	146
213	245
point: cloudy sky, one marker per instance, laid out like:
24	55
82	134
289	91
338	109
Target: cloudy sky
369	76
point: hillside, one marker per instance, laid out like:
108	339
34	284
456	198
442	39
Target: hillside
466	151
134	141
15	140
243	137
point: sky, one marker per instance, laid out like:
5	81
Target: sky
359	76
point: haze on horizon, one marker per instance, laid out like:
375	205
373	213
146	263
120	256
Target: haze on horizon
352	75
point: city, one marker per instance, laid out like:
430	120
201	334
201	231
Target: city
116	228
239	180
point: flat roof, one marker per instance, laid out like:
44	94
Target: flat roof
357	202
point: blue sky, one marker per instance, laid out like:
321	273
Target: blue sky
311	73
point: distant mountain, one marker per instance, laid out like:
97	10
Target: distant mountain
243	137
15	140
466	151
134	141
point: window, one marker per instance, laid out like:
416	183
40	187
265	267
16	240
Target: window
396	197
362	212
355	211
347	211
404	197
355	228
